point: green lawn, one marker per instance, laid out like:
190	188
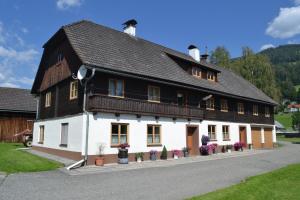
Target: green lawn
13	160
285	119
297	87
277	185
282	138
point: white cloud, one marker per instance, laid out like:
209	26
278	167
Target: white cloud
2	37
24	30
286	24
266	46
24	56
7	84
65	4
18	60
297	2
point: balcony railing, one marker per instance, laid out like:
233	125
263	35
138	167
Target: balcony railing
101	103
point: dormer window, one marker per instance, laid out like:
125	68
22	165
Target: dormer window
196	72
210	76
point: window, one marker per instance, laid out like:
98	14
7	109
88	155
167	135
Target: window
196	72
153	93
267	112
212	132
41	135
119	134
210	76
48	99
210	104
224	105
116	88
153	135
60	57
225	130
241	108
255	110
64	134
73	90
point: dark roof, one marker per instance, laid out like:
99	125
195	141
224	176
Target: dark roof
106	48
17	100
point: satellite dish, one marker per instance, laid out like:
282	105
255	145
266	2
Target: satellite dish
81	72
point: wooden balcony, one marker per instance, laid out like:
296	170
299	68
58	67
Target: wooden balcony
232	116
101	103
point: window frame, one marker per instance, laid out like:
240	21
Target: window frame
213	103
61	133
41	138
153	135
267	111
222	107
73	91
198	71
115	85
153	87
119	134
210	76
255	110
48	97
241	108
209	132
226	133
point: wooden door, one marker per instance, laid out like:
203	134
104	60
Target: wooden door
243	136
192	139
268	138
256	137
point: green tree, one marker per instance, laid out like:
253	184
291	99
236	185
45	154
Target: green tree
296	120
257	69
164	153
221	57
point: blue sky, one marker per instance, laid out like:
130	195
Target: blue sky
26	25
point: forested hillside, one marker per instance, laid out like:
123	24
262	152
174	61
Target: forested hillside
276	71
285	60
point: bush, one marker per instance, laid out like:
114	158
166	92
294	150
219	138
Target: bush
205	150
164	154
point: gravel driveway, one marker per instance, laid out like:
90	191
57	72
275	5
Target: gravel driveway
173	182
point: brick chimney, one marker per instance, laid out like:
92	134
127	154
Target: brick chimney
130	27
194	52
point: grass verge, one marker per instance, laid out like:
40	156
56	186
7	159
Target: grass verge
282	138
285	119
13	160
280	184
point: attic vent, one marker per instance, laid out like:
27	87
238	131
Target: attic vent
130	27
194	52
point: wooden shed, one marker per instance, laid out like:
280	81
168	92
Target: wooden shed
17	112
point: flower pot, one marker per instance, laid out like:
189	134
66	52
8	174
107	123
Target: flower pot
99	161
152	156
139	160
175	157
123	161
186	154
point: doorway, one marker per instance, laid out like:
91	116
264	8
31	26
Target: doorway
243	135
192	139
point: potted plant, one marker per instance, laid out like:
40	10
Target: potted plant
223	149
164	154
214	148
205	150
99	161
123	153
238	146
185	151
229	147
204	139
139	157
153	154
176	154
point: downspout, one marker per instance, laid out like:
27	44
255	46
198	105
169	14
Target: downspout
85	159
87	117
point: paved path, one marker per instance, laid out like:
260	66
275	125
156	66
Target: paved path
173	182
